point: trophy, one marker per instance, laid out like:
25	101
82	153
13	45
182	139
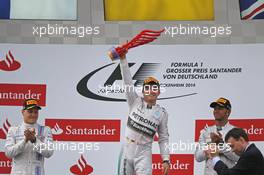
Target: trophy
144	37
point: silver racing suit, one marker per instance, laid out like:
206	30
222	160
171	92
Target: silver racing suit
28	159
226	155
142	125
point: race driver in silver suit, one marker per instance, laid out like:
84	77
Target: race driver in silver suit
29	144
145	118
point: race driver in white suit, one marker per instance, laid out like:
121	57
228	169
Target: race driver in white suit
28	143
213	135
145	118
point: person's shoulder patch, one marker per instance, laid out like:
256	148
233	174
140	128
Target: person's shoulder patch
157	114
162	111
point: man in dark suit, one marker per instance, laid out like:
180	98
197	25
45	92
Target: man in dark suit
251	161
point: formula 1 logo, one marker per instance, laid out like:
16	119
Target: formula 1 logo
9	63
95	87
82	167
4	129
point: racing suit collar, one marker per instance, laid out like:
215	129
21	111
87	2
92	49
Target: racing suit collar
27	125
224	127
148	106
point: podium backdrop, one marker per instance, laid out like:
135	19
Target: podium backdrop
83	102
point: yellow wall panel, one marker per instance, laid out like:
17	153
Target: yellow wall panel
129	10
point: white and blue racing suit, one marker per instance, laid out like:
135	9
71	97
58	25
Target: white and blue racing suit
142	125
28	158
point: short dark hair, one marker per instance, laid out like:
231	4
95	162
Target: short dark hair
236	133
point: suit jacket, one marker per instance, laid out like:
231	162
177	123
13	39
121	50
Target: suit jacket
227	157
251	162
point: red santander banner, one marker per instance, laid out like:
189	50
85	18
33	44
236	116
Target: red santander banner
253	127
181	164
5	164
85	130
15	94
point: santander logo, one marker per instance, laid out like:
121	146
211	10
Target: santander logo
4	130
56	130
5	164
253	127
181	164
9	63
85	130
81	168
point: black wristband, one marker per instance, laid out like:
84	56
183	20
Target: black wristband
166	161
33	141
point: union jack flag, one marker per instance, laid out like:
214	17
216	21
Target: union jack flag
252	9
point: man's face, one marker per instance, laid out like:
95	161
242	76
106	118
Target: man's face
30	115
221	114
238	146
151	93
